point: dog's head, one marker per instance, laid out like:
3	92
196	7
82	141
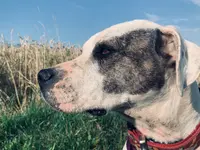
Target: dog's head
122	66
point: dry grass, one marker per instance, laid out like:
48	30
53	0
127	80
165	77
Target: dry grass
19	67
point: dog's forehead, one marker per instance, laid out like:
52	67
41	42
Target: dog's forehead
117	31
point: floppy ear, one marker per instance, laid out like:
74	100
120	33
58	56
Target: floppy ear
185	54
193	65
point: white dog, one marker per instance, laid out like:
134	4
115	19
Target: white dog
143	70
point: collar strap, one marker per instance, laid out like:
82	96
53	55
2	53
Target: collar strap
191	142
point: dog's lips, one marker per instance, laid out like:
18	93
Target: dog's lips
97	112
68	107
65	107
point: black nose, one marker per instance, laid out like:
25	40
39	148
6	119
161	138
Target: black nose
46	74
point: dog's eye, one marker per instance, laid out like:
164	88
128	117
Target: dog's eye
102	51
105	51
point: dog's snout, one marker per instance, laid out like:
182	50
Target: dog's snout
46	74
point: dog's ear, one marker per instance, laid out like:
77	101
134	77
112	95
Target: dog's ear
185	54
193	64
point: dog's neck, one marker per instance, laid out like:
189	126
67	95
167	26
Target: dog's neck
171	118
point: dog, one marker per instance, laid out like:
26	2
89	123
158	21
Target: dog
145	71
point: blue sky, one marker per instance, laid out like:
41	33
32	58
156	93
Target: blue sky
75	21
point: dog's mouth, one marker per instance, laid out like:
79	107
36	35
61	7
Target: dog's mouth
69	107
97	112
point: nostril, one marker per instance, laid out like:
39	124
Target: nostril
46	74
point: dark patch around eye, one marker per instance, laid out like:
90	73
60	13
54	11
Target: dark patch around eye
134	63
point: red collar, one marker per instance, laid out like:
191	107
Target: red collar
190	143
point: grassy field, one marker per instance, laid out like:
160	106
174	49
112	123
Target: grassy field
27	123
40	128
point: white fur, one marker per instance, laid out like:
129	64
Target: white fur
174	111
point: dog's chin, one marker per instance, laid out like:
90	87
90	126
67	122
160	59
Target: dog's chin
97	112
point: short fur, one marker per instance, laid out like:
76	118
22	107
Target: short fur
145	71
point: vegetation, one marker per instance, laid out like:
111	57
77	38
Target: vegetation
40	128
26	123
19	67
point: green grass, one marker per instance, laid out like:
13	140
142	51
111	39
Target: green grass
39	127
